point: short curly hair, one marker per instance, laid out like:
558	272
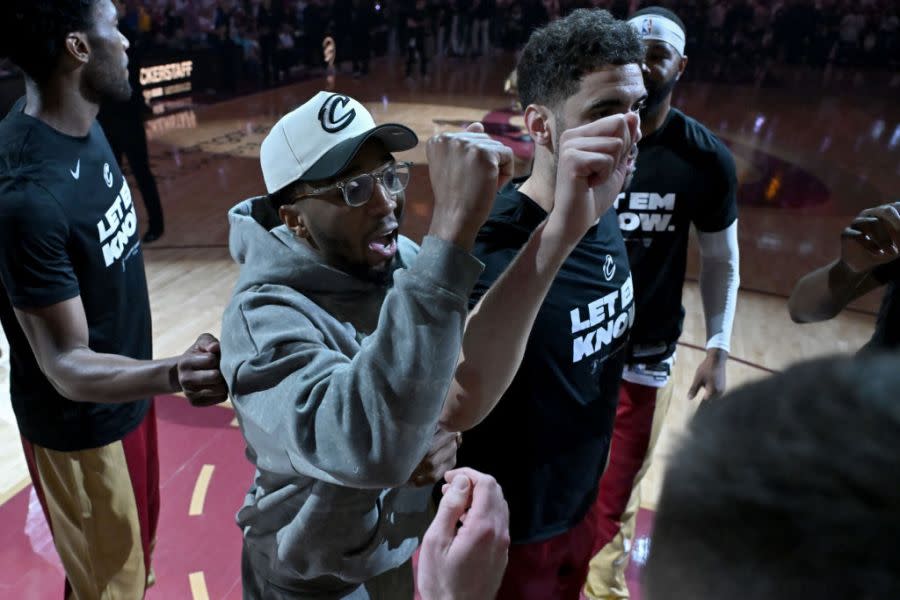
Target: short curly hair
558	55
33	32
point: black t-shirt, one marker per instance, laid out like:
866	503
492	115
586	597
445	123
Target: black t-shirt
684	175
887	327
68	227
547	440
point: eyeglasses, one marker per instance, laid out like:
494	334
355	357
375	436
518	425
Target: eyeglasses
358	190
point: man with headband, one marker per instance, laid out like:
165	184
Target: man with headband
685	176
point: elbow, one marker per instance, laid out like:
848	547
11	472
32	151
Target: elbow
797	315
458	420
381	474
803	313
462	410
65	384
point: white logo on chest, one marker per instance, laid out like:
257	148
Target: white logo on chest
117	226
107	175
609	267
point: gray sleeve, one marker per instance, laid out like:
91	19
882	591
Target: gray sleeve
365	421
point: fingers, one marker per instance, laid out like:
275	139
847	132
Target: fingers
880	221
198	361
451	508
194	381
208	343
487	497
207	398
633	122
506	165
695	387
591	165
475	128
617	126
853	234
440	458
880	227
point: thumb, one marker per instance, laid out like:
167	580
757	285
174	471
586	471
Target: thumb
695	387
475	128
453	505
207	343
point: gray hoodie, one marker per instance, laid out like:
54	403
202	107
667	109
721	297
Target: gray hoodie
338	384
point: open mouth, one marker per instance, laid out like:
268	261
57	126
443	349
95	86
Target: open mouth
384	243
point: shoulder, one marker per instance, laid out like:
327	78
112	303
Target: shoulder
513	215
23	196
700	140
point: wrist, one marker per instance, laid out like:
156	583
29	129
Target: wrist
556	236
842	268
174	381
458	235
718	356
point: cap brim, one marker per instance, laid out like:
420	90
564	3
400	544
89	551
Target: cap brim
395	137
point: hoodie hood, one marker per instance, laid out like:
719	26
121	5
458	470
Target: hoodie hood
269	254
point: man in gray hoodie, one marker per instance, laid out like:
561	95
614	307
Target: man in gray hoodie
339	346
340	343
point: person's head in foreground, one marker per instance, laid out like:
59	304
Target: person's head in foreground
577	70
331	175
786	488
67	45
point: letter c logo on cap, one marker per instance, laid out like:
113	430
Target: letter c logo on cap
333	115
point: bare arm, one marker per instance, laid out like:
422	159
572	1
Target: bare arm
824	293
497	330
59	336
873	239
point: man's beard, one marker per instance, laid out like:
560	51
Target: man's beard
102	80
383	276
657	94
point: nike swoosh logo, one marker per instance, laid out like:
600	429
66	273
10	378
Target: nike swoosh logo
77	172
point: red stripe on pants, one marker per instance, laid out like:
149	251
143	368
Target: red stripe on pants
142	457
628	449
139	447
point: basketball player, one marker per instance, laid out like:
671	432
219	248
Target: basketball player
553	368
74	305
870	248
123	124
786	488
685	176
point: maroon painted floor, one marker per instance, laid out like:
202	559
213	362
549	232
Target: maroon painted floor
210	543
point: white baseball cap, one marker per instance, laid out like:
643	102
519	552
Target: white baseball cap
318	140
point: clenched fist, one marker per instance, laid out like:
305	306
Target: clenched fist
198	373
595	160
466	170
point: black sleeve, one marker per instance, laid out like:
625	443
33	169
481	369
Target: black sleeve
717	208
496	246
34	264
887	272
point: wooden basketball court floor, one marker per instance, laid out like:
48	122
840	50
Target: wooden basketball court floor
808	158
